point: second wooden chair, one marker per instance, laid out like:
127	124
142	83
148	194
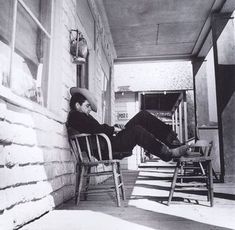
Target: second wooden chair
197	165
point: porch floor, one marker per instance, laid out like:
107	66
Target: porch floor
147	191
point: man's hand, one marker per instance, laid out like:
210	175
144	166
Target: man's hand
118	128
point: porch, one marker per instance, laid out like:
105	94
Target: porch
147	191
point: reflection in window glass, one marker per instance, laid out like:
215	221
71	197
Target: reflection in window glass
26	72
6	15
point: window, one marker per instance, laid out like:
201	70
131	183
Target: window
25	41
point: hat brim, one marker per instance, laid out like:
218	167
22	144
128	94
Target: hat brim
87	94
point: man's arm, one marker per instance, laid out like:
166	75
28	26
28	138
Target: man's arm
87	124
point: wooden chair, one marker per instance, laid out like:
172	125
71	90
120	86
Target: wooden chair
87	150
196	165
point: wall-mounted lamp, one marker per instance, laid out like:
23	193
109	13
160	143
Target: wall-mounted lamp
78	47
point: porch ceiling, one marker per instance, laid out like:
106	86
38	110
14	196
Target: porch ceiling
157	29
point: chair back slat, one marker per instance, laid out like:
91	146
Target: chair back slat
109	147
73	149
203	147
209	149
89	150
98	147
87	147
202	143
76	149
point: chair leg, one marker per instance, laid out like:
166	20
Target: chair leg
202	169
208	185
76	182
182	172
211	187
87	182
173	183
207	179
121	182
81	175
214	174
115	178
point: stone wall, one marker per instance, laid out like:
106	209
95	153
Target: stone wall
36	166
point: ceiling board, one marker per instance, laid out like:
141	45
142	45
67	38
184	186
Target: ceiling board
168	29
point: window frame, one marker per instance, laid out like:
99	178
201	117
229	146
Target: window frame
48	33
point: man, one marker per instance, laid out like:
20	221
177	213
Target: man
143	129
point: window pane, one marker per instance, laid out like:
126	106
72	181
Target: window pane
6	15
41	10
31	56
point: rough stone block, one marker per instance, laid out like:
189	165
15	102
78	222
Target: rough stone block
3	110
18	154
58	197
2	200
21	118
56	183
18	175
23	213
6	134
69	192
26	193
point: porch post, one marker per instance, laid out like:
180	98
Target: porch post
185	120
176	122
173	121
180	122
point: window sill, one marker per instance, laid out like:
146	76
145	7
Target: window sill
7	95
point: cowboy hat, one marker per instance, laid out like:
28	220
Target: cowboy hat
87	94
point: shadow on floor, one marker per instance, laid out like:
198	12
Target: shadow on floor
145	208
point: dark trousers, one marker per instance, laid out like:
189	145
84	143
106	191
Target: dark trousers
144	130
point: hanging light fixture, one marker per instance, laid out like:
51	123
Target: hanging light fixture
78	47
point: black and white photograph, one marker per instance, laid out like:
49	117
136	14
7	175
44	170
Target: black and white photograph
117	114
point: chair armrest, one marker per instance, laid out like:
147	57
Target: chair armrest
103	135
108	144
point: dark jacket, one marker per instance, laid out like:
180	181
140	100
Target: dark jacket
87	124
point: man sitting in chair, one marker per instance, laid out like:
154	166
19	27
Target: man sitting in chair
143	129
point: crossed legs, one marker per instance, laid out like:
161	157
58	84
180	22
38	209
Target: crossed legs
155	126
149	132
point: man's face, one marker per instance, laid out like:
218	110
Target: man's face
84	108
